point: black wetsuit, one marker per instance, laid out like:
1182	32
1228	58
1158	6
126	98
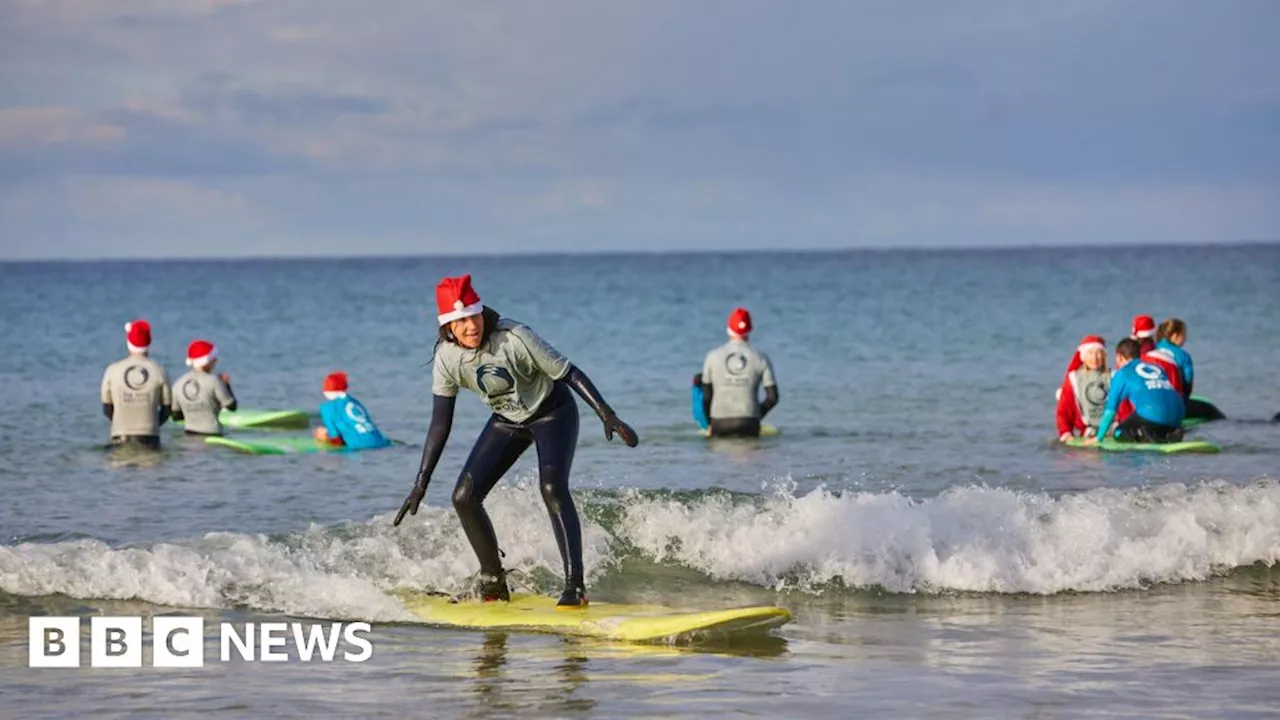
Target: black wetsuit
1138	429
554	430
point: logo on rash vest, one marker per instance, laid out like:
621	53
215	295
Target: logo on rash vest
191	389
494	380
131	377
735	363
1154	376
1096	392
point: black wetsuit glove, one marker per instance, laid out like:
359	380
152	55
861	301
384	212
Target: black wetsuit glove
437	435
581	384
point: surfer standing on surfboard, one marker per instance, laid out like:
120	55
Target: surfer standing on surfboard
1157	408
731	378
526	383
135	392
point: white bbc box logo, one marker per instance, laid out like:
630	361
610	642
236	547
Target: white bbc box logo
53	642
115	642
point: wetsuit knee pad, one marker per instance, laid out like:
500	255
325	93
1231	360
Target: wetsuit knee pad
464	492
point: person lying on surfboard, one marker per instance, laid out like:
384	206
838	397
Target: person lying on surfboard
346	421
1083	394
526	382
1157	407
731	378
200	395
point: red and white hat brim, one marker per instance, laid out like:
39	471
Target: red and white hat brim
460	313
205	360
1085	347
1144	334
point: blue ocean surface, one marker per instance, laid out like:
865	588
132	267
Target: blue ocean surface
941	554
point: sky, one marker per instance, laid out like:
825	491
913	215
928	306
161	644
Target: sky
194	128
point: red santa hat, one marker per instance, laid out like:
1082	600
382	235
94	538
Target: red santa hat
200	353
335	382
456	299
138	335
1143	326
1088	342
739	323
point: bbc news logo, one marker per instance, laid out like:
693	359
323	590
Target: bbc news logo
117	642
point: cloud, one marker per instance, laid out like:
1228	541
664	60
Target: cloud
38	128
571	124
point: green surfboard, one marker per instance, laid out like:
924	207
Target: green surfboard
274	445
265	419
1112	445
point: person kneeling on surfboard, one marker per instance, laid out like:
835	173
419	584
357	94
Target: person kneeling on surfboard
731	378
526	382
135	392
346	421
1084	390
200	395
1157	407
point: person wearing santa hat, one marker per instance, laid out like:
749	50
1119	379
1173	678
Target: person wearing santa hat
1144	330
346	421
526	383
199	396
1084	390
1158	410
135	391
732	375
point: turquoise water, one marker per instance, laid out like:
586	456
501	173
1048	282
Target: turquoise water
942	556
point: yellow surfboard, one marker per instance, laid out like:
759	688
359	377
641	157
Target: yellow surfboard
635	623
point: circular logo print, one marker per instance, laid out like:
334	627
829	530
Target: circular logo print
494	380
191	389
135	376
735	363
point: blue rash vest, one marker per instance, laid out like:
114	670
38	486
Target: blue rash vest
1182	359
1148	388
345	417
699	416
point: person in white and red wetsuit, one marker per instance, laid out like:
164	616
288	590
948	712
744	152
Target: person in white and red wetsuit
1083	395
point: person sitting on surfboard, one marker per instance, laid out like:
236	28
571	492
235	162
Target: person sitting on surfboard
526	382
1144	327
731	378
200	395
1157	407
346	421
1170	355
135	392
1084	390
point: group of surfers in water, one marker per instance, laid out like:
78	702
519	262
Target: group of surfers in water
527	384
1147	396
530	386
138	399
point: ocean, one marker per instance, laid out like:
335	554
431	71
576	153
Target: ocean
941	554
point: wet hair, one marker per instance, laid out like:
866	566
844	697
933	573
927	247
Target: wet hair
1169	328
1128	349
491	318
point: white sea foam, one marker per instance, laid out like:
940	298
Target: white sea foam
970	539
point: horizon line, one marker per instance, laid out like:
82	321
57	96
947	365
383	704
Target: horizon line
632	252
